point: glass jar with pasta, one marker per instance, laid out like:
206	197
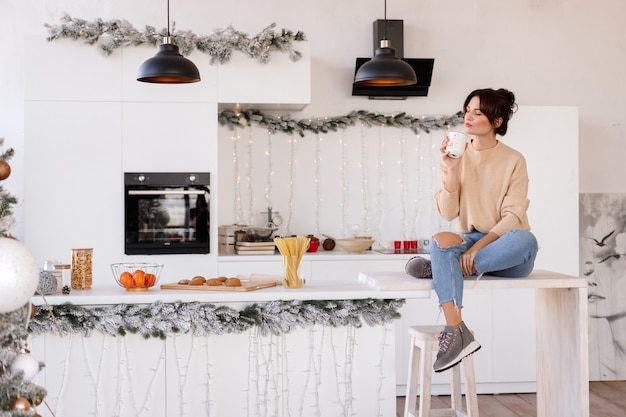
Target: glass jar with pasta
82	268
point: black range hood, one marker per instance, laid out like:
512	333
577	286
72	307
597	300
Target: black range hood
393	30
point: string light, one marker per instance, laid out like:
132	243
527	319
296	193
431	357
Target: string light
388	201
403	185
419	188
292	158
381	183
270	170
236	177
365	184
249	166
344	183
317	159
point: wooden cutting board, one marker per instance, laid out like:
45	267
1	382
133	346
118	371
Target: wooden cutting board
245	286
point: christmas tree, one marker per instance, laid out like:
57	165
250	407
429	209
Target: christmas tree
18	395
6	199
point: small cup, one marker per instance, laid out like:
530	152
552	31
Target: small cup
456	144
397	245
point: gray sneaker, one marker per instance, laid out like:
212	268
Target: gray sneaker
418	267
455	343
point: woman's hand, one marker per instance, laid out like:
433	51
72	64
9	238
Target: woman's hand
450	182
451	163
467	261
468	265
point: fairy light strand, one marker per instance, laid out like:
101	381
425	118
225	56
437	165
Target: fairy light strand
317	158
344	184
270	171
292	161
381	182
404	190
236	177
250	166
419	188
365	185
402	185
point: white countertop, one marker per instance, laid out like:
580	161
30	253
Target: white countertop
323	255
381	285
320	290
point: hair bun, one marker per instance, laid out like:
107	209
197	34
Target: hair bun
510	98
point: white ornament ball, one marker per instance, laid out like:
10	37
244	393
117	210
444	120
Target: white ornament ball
19	275
26	362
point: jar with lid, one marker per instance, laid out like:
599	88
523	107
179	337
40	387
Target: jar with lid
81	275
66	274
51	266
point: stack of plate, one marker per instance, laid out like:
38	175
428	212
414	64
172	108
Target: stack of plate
255	248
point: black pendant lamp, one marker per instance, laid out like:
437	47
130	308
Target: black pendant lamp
385	69
168	66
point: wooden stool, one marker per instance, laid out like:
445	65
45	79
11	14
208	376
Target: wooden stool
425	340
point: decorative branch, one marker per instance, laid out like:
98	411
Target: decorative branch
161	319
115	33
286	124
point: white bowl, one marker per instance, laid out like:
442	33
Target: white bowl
356	245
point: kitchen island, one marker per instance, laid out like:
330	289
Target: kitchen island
334	364
307	355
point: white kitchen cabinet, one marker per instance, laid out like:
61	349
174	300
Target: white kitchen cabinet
180	136
74	186
502	320
279	84
66	70
514	336
342	269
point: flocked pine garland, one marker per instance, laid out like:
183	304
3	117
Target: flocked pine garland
287	124
112	34
160	319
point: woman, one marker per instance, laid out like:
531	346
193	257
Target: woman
486	191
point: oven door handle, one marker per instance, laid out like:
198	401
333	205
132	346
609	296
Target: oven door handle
168	192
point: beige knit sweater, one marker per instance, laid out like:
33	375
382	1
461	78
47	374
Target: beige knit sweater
492	194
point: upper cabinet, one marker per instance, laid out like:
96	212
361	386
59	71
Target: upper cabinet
71	70
278	84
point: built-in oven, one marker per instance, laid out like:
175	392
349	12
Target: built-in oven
166	213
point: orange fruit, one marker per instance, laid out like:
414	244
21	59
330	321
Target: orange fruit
150	280
139	278
126	279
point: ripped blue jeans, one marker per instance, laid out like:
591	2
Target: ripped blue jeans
511	256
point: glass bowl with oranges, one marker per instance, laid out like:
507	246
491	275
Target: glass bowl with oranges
136	276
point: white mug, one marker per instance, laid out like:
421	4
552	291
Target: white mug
456	144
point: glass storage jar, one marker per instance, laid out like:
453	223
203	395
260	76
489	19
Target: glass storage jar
81	268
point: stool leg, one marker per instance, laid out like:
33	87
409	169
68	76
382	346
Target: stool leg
471	397
411	384
455	389
425	378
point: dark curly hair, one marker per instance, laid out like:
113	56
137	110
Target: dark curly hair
495	104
